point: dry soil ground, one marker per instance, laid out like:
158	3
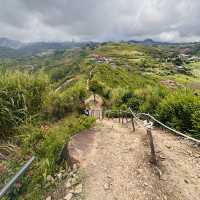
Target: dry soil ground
118	167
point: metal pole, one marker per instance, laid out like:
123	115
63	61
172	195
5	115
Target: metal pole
14	179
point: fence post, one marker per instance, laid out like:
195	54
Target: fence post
153	154
133	125
99	114
126	118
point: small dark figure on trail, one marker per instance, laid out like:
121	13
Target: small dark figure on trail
87	112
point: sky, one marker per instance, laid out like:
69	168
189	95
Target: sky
100	20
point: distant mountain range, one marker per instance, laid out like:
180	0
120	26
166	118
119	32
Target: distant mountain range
150	42
9	43
13	48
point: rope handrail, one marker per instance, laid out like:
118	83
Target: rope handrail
165	126
136	116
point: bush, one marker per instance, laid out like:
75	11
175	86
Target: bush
127	97
181	111
152	97
46	143
21	95
57	105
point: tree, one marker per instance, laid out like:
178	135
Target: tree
96	88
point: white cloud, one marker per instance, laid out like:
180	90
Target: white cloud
167	20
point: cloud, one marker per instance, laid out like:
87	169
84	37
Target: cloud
34	20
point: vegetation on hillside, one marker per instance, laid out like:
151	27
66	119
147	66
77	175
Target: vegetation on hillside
38	119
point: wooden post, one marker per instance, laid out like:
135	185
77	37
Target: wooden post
153	154
119	116
133	125
122	117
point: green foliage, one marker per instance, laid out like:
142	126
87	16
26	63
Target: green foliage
21	95
124	98
178	61
95	87
151	98
180	110
46	143
99	88
57	105
196	123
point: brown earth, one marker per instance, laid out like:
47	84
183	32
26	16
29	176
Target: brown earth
115	163
118	167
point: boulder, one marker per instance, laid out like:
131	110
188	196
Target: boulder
79	147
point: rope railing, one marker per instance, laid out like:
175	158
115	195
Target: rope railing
165	126
136	118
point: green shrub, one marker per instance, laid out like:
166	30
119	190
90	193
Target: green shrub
196	123
152	97
181	111
46	143
57	105
21	95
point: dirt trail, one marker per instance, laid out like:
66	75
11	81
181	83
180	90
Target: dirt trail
118	166
180	164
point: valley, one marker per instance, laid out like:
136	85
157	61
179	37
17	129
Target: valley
44	96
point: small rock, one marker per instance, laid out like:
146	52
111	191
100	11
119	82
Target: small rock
75	167
186	181
169	147
59	176
109	177
68	184
50	178
197	156
106	186
165	198
73	181
78	189
145	184
139	171
68	196
71	173
162	157
48	198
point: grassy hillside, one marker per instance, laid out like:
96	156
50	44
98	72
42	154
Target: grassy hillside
140	77
38	120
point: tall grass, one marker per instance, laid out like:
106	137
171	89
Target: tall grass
21	95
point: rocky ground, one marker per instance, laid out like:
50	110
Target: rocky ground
111	162
116	166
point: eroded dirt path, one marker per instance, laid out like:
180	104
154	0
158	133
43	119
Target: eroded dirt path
180	166
118	167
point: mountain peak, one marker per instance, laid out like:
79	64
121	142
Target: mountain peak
10	43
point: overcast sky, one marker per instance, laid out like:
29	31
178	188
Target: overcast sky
80	20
